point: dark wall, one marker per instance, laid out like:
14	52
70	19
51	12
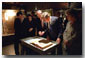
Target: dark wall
31	5
6	40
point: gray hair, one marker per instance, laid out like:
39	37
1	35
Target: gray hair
39	11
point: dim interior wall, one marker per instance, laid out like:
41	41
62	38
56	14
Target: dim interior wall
8	36
8	24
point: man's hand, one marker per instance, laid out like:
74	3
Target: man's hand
58	40
30	29
41	33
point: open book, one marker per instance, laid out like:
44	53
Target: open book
44	43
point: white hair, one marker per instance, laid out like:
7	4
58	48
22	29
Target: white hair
39	11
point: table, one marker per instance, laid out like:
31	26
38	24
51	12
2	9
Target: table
25	42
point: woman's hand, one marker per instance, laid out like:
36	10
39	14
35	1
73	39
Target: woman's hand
65	42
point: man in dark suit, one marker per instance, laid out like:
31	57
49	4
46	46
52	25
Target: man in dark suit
53	28
39	23
18	26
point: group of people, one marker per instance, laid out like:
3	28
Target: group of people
67	33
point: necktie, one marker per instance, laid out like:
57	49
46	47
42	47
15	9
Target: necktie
48	25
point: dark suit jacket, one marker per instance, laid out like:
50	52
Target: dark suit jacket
18	26
39	26
55	29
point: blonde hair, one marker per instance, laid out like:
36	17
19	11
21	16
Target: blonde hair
45	15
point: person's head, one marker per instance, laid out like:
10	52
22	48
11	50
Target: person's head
20	15
71	15
33	13
38	13
29	17
35	16
45	16
57	14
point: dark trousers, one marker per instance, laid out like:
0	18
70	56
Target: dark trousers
59	49
16	47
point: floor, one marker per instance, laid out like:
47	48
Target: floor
8	50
